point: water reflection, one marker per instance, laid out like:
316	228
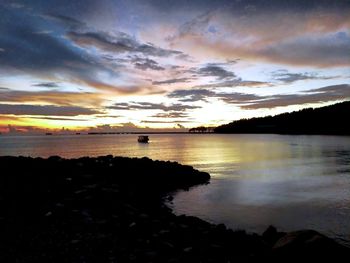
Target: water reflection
292	182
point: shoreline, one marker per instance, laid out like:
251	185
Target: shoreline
111	209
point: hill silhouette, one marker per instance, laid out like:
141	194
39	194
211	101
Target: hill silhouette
325	120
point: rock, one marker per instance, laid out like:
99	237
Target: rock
169	198
54	158
102	213
307	242
90	186
168	244
48	213
270	236
188	249
80	191
144	216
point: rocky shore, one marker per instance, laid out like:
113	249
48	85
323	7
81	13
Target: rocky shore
111	209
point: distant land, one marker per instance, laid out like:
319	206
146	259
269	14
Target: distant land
329	120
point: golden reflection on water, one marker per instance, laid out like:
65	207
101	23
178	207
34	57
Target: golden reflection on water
194	149
292	182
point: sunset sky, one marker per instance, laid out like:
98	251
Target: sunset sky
123	65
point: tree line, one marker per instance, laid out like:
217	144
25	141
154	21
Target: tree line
325	120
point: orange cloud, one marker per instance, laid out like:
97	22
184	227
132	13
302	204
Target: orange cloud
53	97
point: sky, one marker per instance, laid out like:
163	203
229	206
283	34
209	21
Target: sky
129	65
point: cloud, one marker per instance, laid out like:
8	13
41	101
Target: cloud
57	119
171	81
151	106
203	95
177	125
176	114
22	47
214	70
81	42
217	70
238	98
52	97
198	23
302	34
244	7
223	77
319	51
69	22
146	63
45	110
288	77
119	42
322	51
324	94
342	89
238	82
47	85
252	101
191	95
50	56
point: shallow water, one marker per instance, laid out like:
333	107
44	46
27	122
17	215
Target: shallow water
292	182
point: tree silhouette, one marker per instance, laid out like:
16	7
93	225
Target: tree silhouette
325	120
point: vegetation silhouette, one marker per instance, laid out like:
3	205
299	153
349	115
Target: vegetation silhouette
201	129
329	120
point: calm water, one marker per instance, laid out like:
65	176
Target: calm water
292	182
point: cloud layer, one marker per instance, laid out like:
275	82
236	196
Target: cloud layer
45	110
163	62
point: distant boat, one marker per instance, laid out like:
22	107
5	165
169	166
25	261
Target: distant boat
48	133
143	139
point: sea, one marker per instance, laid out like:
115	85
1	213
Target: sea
290	181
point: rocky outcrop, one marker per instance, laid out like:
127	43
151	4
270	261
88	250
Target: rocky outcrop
111	209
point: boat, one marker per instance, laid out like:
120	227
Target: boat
48	133
143	139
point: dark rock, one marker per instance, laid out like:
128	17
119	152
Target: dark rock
270	236
112	208
307	242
